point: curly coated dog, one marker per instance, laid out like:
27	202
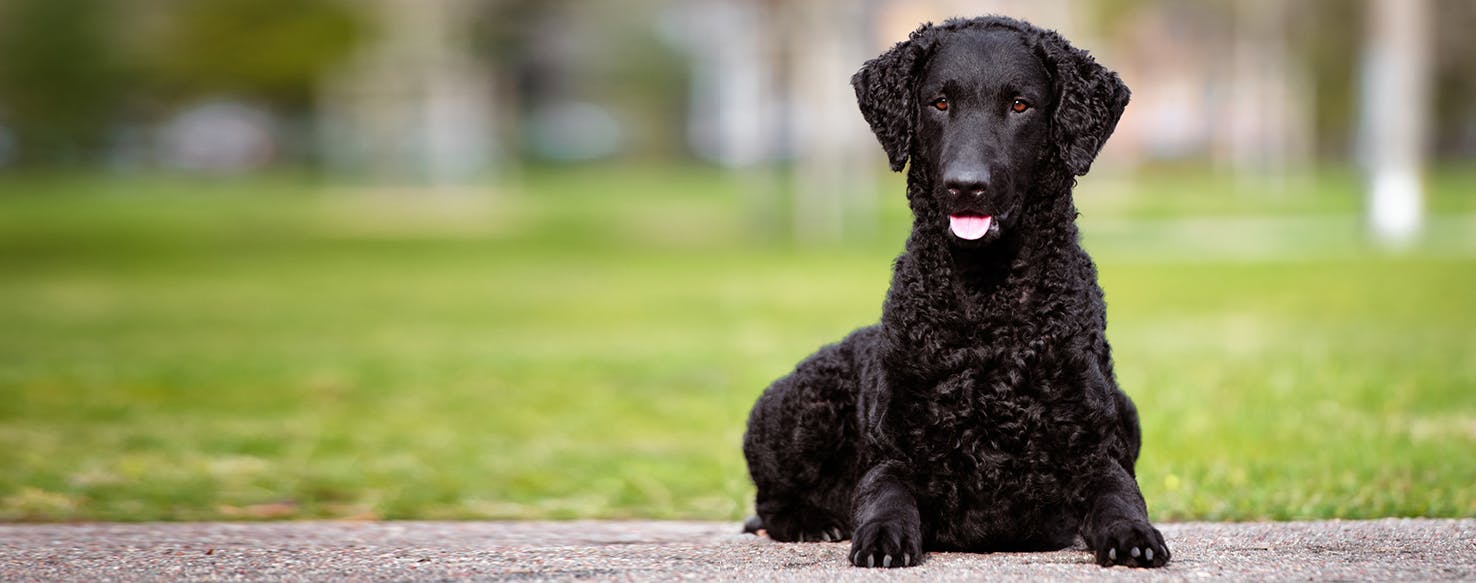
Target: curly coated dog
981	413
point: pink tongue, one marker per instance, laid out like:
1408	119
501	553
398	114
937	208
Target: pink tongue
969	227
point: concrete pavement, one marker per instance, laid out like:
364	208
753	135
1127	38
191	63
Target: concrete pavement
1379	550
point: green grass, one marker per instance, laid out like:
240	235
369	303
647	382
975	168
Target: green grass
587	344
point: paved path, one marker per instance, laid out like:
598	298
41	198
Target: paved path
1380	550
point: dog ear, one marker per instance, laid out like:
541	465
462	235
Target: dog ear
884	90
1089	101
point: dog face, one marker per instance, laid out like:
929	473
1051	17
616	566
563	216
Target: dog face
986	106
982	118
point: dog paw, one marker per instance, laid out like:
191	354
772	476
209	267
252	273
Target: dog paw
887	544
833	534
812	530
826	534
1132	544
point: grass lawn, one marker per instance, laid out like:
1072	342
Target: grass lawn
588	344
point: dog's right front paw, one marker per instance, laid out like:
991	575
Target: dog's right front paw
886	544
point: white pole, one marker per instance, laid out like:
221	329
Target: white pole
1395	112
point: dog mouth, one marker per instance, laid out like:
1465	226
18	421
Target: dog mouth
971	226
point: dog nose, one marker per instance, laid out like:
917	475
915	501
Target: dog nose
973	181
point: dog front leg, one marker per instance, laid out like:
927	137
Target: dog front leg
1116	526
888	528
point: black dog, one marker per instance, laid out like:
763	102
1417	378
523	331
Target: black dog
982	413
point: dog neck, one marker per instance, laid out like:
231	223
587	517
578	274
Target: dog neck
966	291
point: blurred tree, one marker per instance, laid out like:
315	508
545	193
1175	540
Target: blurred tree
1330	55
1455	80
549	53
60	81
274	51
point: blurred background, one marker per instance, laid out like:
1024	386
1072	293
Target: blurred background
387	259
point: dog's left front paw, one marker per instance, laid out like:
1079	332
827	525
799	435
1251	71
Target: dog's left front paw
1131	543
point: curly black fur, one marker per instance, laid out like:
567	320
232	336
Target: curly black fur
981	413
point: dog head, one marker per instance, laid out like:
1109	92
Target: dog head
983	106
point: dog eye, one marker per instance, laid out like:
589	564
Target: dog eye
940	104
1019	106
